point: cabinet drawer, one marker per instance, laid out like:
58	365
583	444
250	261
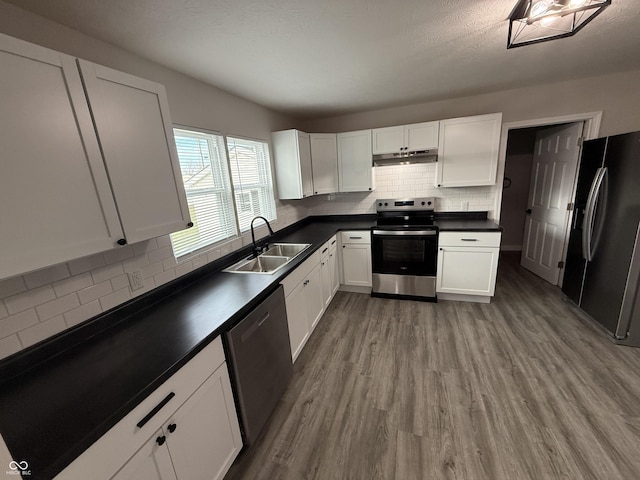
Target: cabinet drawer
469	239
327	247
110	452
355	236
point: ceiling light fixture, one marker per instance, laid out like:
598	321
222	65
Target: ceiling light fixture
535	21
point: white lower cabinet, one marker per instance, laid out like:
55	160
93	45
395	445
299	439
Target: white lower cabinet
468	263
329	270
187	429
356	258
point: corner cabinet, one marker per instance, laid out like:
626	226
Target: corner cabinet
292	157
417	136
468	151
355	167
467	264
64	191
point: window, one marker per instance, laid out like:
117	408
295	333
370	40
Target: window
205	174
210	188
251	175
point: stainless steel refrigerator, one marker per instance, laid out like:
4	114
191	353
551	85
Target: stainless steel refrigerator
602	270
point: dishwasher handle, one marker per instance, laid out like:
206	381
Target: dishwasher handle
254	328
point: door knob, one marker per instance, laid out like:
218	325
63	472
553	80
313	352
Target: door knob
528	210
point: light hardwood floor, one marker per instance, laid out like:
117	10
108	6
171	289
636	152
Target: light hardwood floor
522	388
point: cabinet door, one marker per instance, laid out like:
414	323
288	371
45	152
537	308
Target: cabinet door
305	164
55	199
421	136
327	286
387	140
314	297
134	129
467	270
203	435
355	170
468	151
324	162
356	264
333	271
299	330
151	462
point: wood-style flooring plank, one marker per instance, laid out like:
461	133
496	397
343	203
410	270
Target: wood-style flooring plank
523	388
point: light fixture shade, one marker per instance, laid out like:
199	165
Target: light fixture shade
535	21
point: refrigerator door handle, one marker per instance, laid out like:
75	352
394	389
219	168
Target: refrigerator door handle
599	212
587	221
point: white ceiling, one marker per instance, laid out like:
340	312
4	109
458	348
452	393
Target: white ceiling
313	58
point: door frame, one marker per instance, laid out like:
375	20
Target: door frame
592	121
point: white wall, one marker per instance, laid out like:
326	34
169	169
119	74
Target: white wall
39	304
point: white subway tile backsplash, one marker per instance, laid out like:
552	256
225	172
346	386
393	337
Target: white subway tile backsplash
145	247
17	322
184	268
107	272
149	284
199	261
82	313
29	299
9	346
213	255
46	275
118	254
160	254
169	263
86	264
3	310
135	263
72	284
164	277
12	286
94	292
120	282
41	331
115	298
151	270
57	306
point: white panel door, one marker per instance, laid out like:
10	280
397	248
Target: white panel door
333	271
555	163
203	435
55	200
467	270
355	168
305	164
151	462
356	264
327	287
296	304
324	162
135	132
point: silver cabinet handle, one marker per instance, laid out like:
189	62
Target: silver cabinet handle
355	238
404	232
469	239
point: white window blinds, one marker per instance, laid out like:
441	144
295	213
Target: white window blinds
205	174
252	184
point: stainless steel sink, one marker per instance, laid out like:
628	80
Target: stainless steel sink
271	260
285	249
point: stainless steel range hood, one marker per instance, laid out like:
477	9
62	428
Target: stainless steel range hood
406	158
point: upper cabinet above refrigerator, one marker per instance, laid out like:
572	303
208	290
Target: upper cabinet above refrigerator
60	198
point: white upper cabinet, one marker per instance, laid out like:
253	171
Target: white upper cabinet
85	167
324	162
55	199
468	151
355	170
134	129
292	156
417	136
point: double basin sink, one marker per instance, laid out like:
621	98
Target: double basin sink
276	256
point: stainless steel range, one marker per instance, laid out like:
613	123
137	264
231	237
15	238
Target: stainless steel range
404	249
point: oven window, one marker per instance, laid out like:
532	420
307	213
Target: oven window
404	254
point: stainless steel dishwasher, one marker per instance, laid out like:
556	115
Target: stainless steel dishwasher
261	366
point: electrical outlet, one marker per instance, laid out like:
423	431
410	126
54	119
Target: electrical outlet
135	280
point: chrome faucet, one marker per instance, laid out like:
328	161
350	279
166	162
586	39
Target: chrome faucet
256	250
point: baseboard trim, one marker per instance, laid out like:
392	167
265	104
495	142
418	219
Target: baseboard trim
511	248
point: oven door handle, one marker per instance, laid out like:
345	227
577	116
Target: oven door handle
414	233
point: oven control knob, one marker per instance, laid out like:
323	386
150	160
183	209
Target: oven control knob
422	203
386	204
429	203
380	204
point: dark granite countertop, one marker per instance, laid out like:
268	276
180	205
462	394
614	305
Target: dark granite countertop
60	396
